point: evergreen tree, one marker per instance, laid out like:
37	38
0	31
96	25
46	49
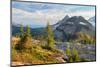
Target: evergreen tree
68	53
75	55
26	41
21	30
50	36
28	30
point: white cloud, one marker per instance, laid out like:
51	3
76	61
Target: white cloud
40	17
43	16
85	14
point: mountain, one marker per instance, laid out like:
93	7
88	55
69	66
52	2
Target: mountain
92	20
34	31
65	29
68	27
31	25
60	22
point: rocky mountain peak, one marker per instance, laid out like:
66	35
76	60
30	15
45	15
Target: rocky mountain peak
71	26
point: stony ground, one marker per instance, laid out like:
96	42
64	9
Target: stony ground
86	51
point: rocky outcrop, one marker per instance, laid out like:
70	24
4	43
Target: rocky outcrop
68	27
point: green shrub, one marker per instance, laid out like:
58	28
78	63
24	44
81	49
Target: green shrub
50	36
68	53
75	55
72	55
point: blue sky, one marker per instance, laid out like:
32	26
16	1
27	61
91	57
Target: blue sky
38	14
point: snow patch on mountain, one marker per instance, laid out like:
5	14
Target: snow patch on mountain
92	20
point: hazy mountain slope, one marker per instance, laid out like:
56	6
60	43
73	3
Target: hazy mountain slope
34	31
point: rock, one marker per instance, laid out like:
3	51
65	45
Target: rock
69	27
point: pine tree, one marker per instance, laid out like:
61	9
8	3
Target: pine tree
68	53
28	30
21	30
75	55
26	41
50	36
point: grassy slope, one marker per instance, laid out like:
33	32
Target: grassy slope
37	54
